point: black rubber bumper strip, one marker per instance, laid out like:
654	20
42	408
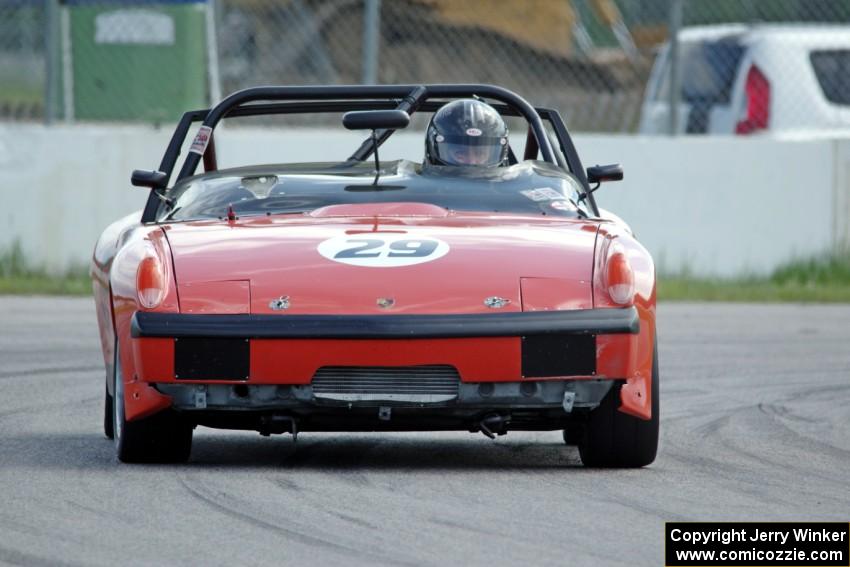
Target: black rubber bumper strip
533	323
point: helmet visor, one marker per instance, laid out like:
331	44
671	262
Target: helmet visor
470	150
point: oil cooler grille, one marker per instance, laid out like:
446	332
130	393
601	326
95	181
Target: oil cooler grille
421	384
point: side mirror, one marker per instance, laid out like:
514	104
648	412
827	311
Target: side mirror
152	179
602	173
375	119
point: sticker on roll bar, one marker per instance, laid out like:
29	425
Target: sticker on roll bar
202	138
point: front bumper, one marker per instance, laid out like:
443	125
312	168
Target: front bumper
526	323
285	349
503	361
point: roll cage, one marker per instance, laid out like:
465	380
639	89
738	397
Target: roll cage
264	101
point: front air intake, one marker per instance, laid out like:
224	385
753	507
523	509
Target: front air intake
419	384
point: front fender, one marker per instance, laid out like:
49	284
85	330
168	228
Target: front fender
140	399
107	246
629	356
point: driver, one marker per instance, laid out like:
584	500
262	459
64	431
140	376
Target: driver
467	132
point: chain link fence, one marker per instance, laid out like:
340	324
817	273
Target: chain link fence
525	46
607	65
22	60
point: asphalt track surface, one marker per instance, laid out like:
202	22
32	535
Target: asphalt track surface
755	426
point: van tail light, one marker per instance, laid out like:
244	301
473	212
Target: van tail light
619	277
757	91
150	282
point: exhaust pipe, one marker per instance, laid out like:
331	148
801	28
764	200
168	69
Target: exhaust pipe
494	424
277	423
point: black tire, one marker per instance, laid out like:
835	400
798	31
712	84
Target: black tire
614	439
108	425
160	438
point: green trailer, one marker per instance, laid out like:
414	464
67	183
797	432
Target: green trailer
133	60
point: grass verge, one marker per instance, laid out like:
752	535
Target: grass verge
816	280
19	278
751	290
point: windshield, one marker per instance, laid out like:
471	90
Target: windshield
526	188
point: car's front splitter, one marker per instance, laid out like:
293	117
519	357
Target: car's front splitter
506	405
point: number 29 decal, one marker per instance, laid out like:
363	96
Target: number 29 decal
376	250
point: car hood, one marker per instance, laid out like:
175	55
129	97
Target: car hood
403	260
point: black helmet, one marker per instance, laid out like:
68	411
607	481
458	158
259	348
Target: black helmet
467	132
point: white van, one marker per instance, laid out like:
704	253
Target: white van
740	79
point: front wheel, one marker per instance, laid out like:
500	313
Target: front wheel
160	438
615	439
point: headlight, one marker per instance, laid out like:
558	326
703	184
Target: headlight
150	282
619	277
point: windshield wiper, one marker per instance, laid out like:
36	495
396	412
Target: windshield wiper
365	188
171	213
579	210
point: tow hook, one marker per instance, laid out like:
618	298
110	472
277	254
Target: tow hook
493	425
569	400
278	424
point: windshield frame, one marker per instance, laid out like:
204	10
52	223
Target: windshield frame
527	188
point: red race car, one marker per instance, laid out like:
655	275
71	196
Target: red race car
474	291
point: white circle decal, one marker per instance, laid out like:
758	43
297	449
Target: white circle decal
375	250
